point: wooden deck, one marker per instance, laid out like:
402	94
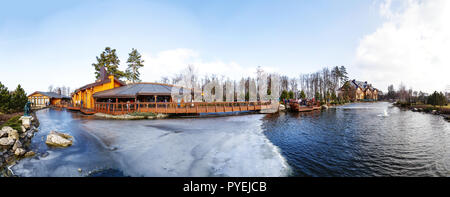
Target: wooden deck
170	108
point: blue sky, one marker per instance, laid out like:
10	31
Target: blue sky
46	43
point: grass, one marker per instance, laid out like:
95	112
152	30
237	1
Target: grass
14	123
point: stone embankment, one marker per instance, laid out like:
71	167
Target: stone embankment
15	144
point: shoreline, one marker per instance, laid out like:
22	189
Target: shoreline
433	110
11	153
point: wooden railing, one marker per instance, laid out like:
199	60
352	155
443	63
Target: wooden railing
176	108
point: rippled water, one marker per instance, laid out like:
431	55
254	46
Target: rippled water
370	139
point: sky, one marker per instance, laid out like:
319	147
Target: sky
383	42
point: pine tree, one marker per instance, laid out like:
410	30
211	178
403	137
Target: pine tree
134	63
110	61
18	99
302	94
343	74
5	98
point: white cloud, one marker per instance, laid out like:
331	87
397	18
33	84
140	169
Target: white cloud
170	62
412	46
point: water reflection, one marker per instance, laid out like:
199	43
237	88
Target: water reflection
354	140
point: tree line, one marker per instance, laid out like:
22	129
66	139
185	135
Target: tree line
409	96
321	85
12	101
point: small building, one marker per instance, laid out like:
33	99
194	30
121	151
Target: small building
42	99
358	91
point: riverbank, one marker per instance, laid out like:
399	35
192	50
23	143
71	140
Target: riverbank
15	140
443	111
132	116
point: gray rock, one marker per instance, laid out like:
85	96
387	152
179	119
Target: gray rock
30	134
17	145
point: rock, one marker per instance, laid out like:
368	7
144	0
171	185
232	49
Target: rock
23	135
19	152
29	134
26	121
3	133
23	128
13	134
324	107
58	139
5	130
17	145
414	109
29	154
434	112
282	107
6	141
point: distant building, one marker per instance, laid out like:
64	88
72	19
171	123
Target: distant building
358	91
42	99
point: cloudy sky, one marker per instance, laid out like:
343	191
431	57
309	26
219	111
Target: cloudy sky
46	43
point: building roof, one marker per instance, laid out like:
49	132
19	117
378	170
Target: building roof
50	94
101	82
360	84
136	89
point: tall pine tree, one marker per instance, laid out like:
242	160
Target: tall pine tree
108	58
134	63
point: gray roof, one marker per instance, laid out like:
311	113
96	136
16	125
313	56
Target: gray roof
136	89
51	94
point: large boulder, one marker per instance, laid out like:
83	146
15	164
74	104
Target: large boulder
26	121
13	134
5	130
58	139
6	141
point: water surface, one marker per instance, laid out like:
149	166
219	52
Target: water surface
363	139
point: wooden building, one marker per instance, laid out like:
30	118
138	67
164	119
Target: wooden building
42	99
137	92
83	97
